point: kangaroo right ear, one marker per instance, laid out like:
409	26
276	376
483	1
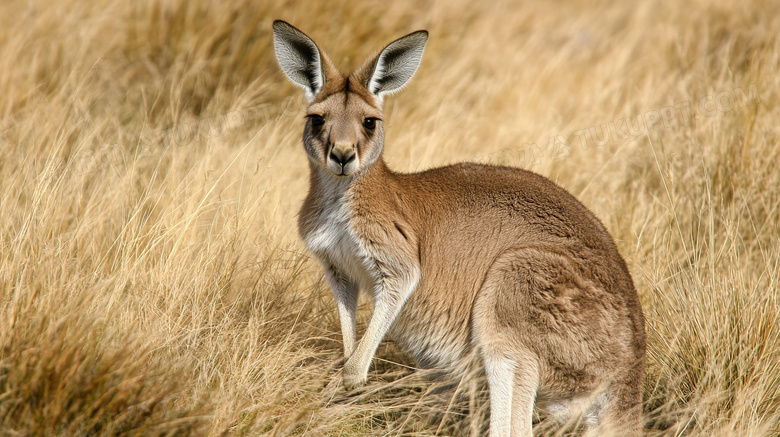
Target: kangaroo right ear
299	58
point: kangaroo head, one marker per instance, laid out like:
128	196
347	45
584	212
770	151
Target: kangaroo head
344	132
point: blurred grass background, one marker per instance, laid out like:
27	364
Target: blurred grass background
151	278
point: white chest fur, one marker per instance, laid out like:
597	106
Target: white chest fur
334	242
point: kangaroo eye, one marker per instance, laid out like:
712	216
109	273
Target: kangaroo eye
316	121
369	123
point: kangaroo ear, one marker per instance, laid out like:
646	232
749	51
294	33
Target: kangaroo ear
299	58
396	64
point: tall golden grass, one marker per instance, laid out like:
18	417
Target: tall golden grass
151	279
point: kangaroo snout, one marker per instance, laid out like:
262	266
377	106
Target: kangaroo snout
342	159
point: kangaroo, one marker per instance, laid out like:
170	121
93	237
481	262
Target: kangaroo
463	259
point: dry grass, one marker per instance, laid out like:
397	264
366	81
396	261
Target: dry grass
151	280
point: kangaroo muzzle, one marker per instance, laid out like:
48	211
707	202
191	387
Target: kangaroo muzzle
343	159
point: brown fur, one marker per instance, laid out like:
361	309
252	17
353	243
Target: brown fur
470	256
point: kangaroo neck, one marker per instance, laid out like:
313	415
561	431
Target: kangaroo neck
327	187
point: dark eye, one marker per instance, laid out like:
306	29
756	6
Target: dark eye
369	123
316	121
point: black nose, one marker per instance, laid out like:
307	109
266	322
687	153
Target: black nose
342	157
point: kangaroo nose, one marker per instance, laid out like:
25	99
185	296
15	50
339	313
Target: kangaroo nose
342	156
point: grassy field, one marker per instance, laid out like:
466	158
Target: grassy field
151	169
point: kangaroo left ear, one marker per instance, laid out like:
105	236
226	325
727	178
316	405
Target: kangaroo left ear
396	64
